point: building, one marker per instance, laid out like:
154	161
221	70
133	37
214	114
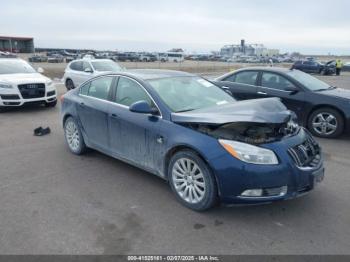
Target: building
247	50
17	44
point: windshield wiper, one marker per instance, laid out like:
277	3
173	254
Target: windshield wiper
186	110
323	89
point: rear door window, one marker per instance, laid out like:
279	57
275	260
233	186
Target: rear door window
77	66
100	87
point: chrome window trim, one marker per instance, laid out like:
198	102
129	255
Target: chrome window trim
115	103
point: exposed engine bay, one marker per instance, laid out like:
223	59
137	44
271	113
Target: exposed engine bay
247	132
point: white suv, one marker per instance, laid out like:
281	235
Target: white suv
21	84
79	71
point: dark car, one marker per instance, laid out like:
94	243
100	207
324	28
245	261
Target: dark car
191	133
125	57
312	66
37	59
323	109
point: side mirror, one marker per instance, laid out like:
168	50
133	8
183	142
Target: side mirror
88	70
142	107
227	90
40	70
292	89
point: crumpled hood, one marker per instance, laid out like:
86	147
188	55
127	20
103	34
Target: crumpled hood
268	110
23	78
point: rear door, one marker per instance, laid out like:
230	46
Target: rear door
133	136
93	111
243	85
276	85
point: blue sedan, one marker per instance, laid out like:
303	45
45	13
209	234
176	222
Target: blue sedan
209	147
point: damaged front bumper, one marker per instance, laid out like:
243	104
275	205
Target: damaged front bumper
244	183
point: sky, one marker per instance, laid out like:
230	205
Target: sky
309	27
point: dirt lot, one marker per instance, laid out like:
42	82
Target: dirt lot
53	202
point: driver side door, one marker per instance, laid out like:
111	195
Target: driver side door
133	136
276	85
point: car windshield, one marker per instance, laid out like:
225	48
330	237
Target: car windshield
182	94
15	67
310	82
103	66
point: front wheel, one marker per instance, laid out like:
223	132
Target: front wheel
326	123
192	181
74	137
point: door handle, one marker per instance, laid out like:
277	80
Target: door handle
81	104
114	116
262	93
225	87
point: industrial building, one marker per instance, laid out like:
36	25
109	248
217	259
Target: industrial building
17	44
247	50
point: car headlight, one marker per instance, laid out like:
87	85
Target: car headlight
5	85
49	83
249	153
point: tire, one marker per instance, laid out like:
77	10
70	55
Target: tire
323	72
3	109
69	84
74	137
51	104
197	192
326	122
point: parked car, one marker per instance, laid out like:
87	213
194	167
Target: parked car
21	84
126	57
191	133
322	108
312	66
147	58
346	67
69	59
37	58
80	70
55	58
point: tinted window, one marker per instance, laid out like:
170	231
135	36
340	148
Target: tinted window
78	66
231	78
275	81
100	87
85	89
86	65
129	92
248	77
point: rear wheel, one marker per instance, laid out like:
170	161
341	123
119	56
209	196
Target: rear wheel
326	122
69	84
74	137
192	181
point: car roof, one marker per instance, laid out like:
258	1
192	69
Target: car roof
148	74
266	68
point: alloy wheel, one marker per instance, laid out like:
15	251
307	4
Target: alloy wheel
325	123
72	136
188	180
